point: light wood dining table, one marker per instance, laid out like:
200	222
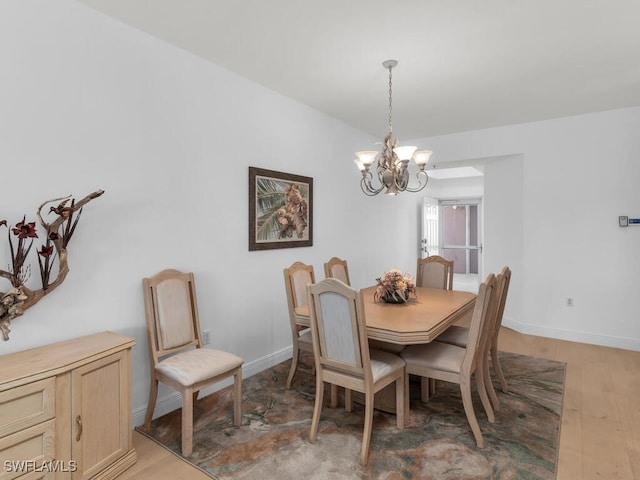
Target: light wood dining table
419	320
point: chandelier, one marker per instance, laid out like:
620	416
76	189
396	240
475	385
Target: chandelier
392	165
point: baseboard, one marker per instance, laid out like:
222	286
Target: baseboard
573	336
173	401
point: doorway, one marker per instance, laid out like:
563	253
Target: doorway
452	229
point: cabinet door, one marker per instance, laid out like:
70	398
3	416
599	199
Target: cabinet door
101	431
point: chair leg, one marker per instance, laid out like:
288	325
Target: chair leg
153	393
237	397
187	423
495	361
294	365
432	386
407	395
465	390
424	389
334	396
368	426
482	390
400	403
348	400
495	401
317	409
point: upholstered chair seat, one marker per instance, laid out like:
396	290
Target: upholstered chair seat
455	335
435	355
197	365
384	363
305	337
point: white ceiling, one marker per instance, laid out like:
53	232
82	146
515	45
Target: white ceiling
463	64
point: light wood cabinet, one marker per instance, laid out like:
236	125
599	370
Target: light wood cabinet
65	410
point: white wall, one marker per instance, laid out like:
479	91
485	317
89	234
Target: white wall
552	202
455	188
90	103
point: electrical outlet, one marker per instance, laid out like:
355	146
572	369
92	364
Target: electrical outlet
569	302
206	337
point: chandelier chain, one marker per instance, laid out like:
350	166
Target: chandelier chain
390	107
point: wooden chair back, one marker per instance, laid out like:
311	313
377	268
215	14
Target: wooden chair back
502	300
492	342
480	322
338	331
337	268
171	312
296	279
435	272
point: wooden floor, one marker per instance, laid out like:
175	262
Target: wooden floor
600	436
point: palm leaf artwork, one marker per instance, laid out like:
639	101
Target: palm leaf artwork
281	210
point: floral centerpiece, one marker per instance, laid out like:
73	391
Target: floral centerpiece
394	287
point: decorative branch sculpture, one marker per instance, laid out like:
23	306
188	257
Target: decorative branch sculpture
14	302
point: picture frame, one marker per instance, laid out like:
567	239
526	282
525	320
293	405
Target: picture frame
280	210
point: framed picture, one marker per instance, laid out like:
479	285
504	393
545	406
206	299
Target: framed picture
280	210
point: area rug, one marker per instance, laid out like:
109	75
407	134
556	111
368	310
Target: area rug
436	443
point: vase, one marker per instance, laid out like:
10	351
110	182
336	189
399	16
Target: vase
395	299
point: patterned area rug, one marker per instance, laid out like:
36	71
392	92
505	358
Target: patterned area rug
437	442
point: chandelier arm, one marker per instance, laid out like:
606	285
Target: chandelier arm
420	185
367	188
401	181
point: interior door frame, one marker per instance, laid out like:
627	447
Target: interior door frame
477	201
431	227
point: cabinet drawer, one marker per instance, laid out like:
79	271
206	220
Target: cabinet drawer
25	451
27	405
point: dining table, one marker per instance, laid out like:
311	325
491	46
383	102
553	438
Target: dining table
420	319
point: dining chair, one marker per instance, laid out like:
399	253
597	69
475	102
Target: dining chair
454	364
458	335
435	272
337	268
343	357
296	279
178	357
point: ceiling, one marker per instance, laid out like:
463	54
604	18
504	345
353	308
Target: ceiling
463	64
